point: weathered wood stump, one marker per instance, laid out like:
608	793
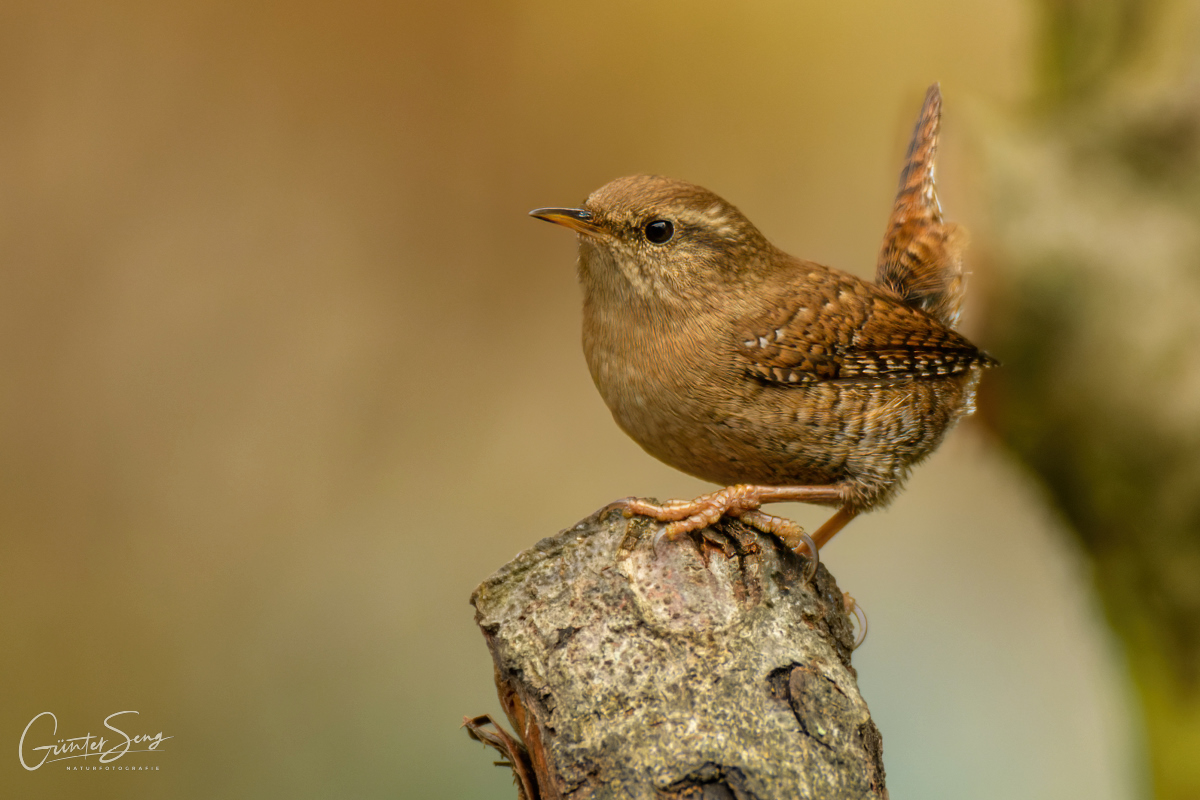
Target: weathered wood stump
705	667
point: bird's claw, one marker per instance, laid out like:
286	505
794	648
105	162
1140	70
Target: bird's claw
860	616
687	516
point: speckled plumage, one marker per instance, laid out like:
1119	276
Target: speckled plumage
735	362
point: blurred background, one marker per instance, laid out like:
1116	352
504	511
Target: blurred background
287	371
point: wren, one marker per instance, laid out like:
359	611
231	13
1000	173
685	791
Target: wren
779	378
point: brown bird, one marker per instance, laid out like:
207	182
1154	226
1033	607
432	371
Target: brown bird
782	379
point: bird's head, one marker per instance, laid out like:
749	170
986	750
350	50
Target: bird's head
650	238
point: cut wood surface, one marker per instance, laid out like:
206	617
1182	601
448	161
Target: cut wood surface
708	667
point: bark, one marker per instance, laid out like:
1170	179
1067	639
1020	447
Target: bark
705	667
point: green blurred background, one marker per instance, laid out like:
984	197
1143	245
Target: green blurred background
287	372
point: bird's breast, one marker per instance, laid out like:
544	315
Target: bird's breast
670	383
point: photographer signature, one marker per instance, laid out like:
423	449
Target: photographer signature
87	746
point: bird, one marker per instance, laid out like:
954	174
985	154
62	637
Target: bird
778	378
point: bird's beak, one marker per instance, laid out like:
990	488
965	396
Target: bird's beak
577	219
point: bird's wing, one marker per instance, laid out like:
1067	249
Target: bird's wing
921	258
851	331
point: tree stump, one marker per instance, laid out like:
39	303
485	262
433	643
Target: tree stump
707	667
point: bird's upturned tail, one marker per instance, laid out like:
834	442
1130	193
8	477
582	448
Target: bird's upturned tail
921	257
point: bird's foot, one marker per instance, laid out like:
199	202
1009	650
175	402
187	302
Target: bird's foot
791	534
685	516
741	501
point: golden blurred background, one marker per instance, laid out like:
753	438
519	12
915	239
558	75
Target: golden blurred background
287	372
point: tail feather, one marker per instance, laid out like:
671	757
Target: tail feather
921	258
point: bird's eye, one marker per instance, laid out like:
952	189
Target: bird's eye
659	231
